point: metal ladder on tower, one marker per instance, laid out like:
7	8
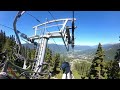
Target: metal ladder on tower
39	54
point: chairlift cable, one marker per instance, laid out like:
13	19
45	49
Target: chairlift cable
53	40
46	28
54	19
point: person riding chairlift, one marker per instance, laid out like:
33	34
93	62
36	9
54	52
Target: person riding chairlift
67	73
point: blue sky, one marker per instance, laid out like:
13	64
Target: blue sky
92	26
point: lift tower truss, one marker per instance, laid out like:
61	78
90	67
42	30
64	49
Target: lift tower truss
62	33
42	38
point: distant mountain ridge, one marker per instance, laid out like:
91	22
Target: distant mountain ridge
109	49
61	48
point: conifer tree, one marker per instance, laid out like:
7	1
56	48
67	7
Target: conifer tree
4	38
56	60
32	54
115	70
97	70
1	40
48	56
109	68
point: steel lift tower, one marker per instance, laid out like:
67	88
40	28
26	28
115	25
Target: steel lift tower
42	35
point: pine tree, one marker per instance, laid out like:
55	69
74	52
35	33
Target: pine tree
115	70
1	40
53	61
97	70
109	68
82	68
7	45
32	54
4	38
29	53
48	57
23	51
48	60
56	60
